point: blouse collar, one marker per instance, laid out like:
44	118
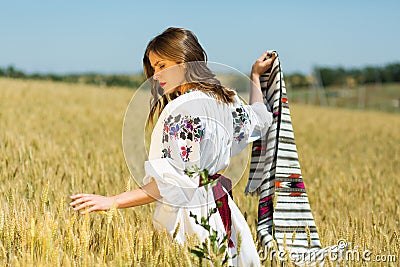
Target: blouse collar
191	90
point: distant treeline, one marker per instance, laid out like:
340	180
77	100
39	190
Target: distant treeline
349	77
132	81
326	76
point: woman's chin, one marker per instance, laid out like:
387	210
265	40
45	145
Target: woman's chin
170	90
167	90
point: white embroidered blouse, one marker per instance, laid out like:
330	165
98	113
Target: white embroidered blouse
196	129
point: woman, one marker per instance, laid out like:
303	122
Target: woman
200	124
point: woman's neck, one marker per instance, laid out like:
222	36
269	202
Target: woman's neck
185	87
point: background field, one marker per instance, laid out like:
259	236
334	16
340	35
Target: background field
59	139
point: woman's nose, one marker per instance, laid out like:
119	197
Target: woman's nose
156	75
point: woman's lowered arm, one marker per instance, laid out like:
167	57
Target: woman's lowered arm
144	195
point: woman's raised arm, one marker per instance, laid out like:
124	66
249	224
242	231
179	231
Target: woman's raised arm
259	67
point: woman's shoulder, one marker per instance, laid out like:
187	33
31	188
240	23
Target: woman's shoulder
191	101
197	103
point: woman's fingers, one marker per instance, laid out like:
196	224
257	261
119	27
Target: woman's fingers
263	63
76	196
266	64
91	209
271	59
80	196
263	56
83	205
90	205
91	202
79	200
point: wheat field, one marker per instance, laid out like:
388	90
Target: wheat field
60	139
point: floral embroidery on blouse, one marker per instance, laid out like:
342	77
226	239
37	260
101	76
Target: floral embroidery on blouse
240	119
185	128
166	152
185	151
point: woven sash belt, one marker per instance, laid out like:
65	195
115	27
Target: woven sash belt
222	197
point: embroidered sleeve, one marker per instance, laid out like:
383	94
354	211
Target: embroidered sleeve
250	122
241	122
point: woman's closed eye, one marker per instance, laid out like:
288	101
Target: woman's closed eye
159	67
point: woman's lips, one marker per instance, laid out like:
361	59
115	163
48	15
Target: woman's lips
162	84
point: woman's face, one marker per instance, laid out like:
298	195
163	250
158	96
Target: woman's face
169	74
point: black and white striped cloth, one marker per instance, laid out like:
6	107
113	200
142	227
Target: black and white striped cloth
285	221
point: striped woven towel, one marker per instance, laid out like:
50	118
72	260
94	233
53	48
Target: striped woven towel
275	175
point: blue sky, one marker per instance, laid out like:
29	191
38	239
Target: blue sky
110	36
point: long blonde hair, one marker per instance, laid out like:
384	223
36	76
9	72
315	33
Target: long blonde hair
182	46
